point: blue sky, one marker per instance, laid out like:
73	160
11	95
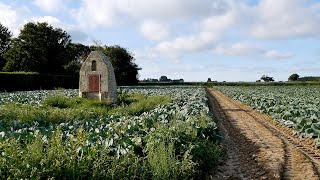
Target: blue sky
225	40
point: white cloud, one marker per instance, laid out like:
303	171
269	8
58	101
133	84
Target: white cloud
154	30
49	5
13	17
102	13
211	30
247	49
50	20
76	34
171	9
285	19
94	13
273	54
238	49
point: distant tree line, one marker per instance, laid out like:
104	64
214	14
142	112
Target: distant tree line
162	79
296	77
44	49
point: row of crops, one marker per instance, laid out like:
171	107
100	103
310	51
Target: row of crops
173	141
297	107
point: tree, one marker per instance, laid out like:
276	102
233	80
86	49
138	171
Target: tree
209	80
38	48
5	38
76	55
293	77
126	71
163	79
266	78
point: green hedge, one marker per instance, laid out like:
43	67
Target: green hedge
210	84
24	81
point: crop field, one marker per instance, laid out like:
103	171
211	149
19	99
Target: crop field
297	107
153	132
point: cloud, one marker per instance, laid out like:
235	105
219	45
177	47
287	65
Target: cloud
13	17
171	9
285	19
273	54
76	34
154	31
247	49
50	20
239	49
49	5
95	13
211	30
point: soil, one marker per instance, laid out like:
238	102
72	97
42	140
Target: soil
257	147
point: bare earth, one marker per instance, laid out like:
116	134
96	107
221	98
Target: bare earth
259	148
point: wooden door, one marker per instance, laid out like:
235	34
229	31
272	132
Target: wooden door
94	83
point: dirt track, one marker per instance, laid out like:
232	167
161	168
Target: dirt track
259	148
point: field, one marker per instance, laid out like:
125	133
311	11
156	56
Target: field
160	132
297	107
152	133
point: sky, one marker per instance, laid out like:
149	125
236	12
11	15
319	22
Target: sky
225	40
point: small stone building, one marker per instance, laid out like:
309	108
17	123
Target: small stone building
97	79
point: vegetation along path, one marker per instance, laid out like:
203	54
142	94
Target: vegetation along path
259	148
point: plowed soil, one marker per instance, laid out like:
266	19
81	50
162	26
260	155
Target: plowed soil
257	147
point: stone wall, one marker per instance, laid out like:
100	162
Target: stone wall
108	86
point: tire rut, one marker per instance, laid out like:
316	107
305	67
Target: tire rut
257	147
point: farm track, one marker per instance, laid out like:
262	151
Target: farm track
259	148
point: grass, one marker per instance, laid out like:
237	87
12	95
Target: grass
179	149
141	103
58	108
169	153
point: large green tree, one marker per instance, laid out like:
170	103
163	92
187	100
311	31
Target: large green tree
5	38
266	78
126	71
76	55
38	48
293	77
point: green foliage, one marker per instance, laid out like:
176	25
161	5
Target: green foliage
171	141
54	159
267	78
44	49
5	38
293	77
23	81
58	108
296	107
310	79
163	79
162	160
58	101
126	71
143	104
38	48
76	55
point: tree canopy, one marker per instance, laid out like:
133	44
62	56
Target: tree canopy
5	38
126	71
44	49
293	77
38	48
266	78
76	55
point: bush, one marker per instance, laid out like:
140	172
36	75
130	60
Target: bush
25	81
293	77
58	101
